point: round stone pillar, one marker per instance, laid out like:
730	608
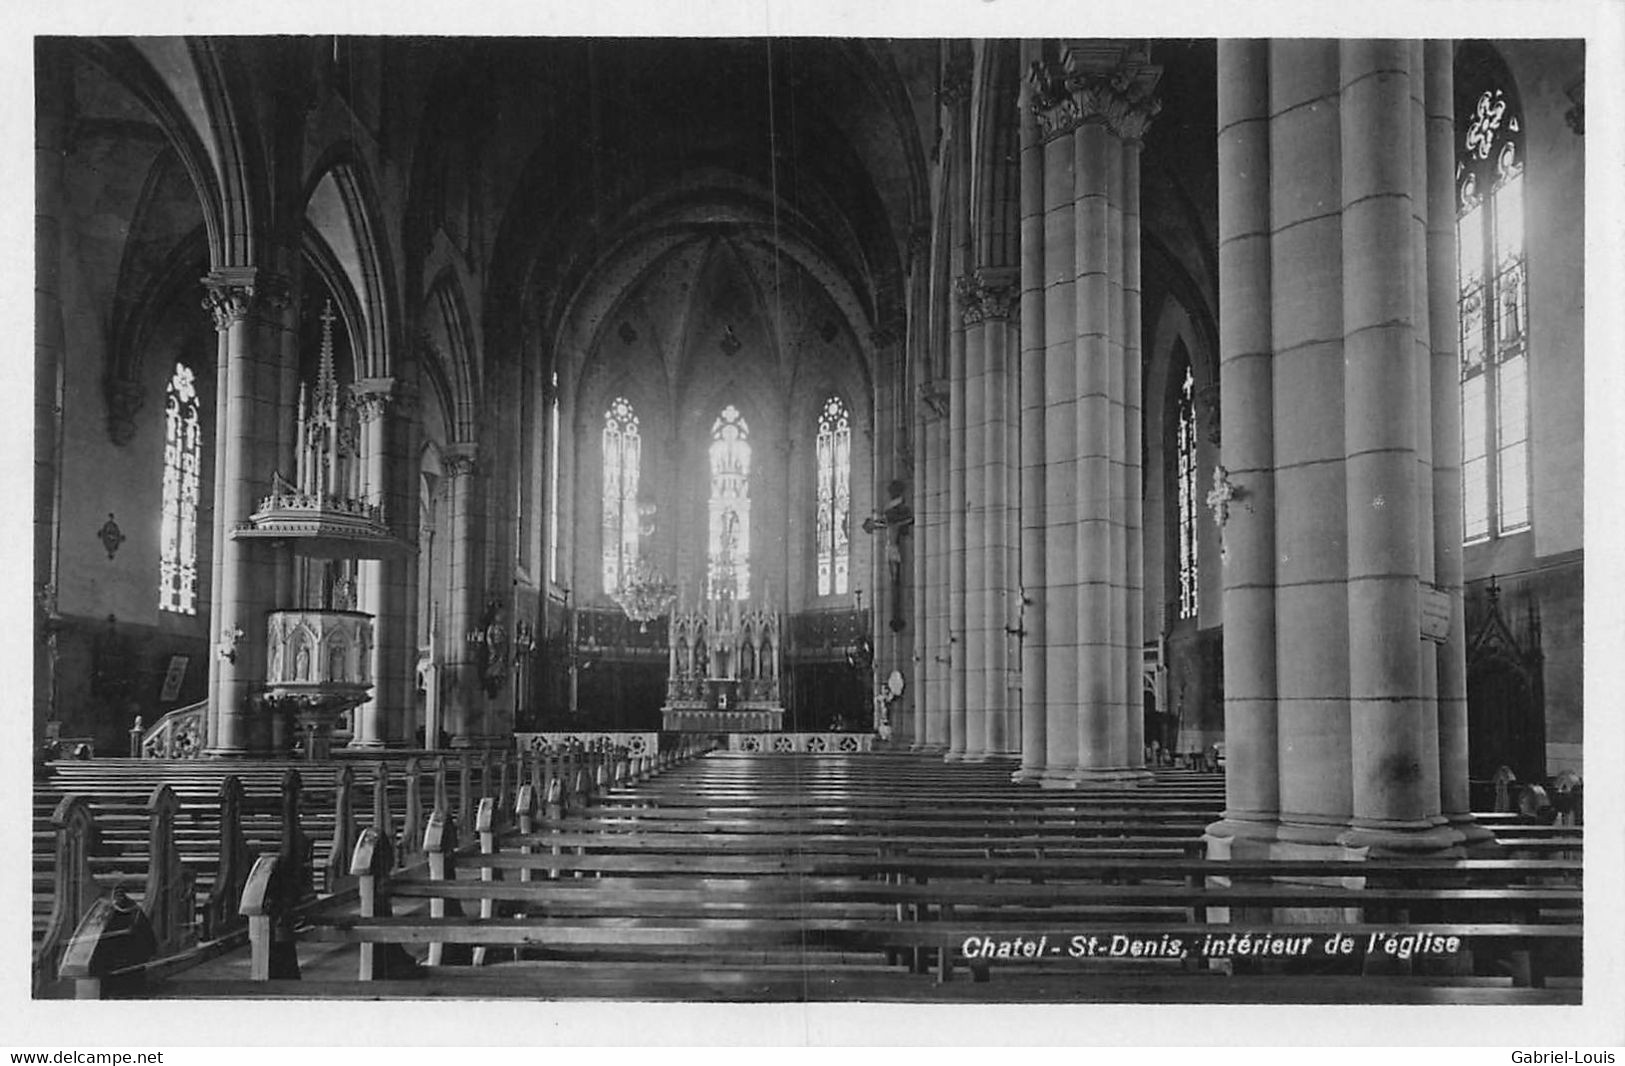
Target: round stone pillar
957	148
1085	110
1334	196
986	299
1444	422
1034	456
1389	781
383	586
246	305
1247	464
970	731
1061	623
462	710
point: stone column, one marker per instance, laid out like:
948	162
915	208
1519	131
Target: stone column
1131	480
246	305
1034	457
960	662
1393	788
886	462
384	585
931	531
462	712
1058	595
987	298
1246	383
1311	610
1089	109
1441	426
1353	280
968	726
918	561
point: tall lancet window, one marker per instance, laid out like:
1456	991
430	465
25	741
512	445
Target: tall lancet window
728	551
622	451
183	447
1494	305
834	496
1185	472
553	480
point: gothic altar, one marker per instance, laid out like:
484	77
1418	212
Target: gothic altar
724	670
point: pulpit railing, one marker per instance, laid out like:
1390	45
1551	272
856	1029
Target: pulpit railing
180	734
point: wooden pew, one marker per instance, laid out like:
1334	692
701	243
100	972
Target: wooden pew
696	920
629	890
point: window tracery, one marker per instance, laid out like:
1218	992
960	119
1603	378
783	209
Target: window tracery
834	450
622	455
1493	285
728	549
1185	477
177	591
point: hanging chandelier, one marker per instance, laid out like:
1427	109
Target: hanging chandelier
645	593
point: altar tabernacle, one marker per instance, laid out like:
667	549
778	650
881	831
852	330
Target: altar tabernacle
724	669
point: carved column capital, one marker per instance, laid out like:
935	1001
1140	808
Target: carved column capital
232	293
1101	82
990	293
373	397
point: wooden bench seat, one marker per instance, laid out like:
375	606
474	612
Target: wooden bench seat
772	877
755	982
967	849
620	892
1094	868
798	821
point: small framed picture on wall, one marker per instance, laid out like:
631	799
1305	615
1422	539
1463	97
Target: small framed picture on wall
173	678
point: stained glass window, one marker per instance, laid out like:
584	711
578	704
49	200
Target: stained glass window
834	497
1185	458
622	448
728	548
1493	285
183	446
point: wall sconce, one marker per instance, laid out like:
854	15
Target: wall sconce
230	637
110	535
